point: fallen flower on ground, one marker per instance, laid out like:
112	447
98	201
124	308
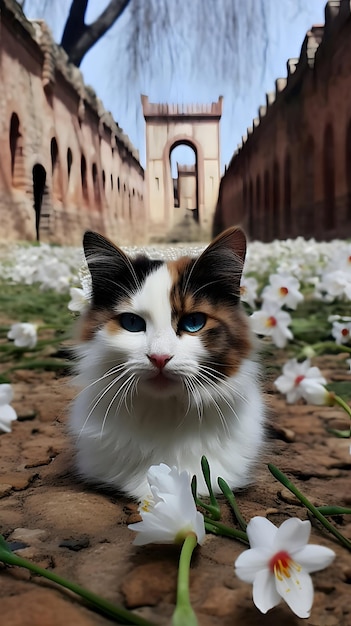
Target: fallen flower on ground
7	412
170	514
341	332
23	334
284	289
272	322
300	380
279	563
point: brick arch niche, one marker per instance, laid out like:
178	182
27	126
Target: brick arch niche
168	126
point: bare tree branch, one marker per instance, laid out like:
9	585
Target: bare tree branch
79	37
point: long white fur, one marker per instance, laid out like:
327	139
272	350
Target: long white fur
123	425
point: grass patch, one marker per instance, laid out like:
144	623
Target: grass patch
28	303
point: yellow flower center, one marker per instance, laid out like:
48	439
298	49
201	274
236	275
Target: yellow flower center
285	568
283	291
146	506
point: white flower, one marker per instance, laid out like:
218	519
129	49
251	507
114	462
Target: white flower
341	332
7	413
78	300
272	322
300	380
171	513
284	289
335	284
80	297
248	290
279	563
24	334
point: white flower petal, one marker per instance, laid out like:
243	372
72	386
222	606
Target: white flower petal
264	592
173	513
7	415
314	558
261	532
296	591
6	393
292	535
250	562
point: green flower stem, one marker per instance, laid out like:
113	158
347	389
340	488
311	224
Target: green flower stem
213	511
314	510
337	400
184	614
227	492
115	612
226	531
334	510
342	434
323	347
214	508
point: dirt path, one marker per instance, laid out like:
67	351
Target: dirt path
82	534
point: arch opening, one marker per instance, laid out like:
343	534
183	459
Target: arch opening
16	150
184	174
39	188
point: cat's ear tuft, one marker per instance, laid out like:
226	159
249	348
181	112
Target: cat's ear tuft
96	244
233	239
106	262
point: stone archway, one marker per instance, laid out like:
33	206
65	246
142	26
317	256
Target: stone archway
168	126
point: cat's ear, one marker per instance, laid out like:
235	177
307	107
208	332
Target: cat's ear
217	271
106	263
97	247
233	239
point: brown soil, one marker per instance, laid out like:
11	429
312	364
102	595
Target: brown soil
82	534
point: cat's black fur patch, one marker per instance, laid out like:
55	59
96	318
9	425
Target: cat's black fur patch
114	275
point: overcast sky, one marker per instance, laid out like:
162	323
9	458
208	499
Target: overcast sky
104	68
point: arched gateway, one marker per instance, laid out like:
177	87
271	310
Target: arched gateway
187	204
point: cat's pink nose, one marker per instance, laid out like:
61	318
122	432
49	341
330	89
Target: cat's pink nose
159	360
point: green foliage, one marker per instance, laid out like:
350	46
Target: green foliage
48	310
29	303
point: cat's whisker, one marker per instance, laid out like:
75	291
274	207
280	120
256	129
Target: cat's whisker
121	390
133	393
208	394
124	392
214	386
98	397
109	372
217	384
196	396
222	380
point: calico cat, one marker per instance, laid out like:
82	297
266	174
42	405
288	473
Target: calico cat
166	368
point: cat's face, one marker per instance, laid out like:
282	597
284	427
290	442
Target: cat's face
170	326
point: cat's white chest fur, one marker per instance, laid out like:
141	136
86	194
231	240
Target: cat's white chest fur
165	370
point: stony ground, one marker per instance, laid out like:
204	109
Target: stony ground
62	524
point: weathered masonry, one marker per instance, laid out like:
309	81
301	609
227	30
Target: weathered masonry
65	164
291	175
168	126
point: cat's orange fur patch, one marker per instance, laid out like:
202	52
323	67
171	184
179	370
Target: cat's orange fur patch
92	321
113	326
226	333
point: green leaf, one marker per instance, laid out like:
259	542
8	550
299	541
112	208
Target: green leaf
340	388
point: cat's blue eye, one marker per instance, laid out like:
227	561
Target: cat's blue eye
133	323
192	322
